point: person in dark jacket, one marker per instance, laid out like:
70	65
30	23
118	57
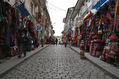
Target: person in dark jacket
65	43
22	43
56	41
42	42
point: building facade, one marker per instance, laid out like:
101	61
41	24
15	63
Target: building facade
81	9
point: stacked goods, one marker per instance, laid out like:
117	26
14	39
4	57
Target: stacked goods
105	52
97	46
113	54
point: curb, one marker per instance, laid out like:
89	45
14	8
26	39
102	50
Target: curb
6	67
113	74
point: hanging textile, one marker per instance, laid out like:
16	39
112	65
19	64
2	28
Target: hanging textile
101	21
95	27
1	1
99	3
88	15
109	13
117	17
116	14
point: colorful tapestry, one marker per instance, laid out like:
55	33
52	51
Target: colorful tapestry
116	19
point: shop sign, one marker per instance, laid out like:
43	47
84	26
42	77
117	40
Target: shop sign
78	32
39	28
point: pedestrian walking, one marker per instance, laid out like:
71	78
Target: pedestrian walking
22	43
70	41
29	43
56	41
42	42
65	42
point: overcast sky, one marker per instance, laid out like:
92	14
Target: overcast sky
57	10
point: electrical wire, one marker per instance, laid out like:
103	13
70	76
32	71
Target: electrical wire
55	6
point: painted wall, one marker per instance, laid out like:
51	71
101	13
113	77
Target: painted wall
11	2
29	6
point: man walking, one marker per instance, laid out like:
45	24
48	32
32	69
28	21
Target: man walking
22	41
56	41
70	41
65	42
42	42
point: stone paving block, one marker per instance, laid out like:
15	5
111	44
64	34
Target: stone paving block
84	78
56	62
105	66
108	77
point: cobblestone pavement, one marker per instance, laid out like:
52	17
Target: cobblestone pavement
56	62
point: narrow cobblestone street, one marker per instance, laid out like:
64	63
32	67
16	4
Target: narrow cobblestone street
56	62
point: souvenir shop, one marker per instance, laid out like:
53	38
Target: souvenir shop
100	32
8	28
12	21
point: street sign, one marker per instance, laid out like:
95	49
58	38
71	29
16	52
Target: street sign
39	28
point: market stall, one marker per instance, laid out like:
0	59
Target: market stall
101	26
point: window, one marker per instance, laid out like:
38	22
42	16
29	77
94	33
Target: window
31	8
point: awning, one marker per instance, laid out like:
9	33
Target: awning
99	3
95	8
23	10
92	12
88	15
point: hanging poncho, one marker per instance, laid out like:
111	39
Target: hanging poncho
116	19
109	13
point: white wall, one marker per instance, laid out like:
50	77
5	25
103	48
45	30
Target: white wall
11	2
28	5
